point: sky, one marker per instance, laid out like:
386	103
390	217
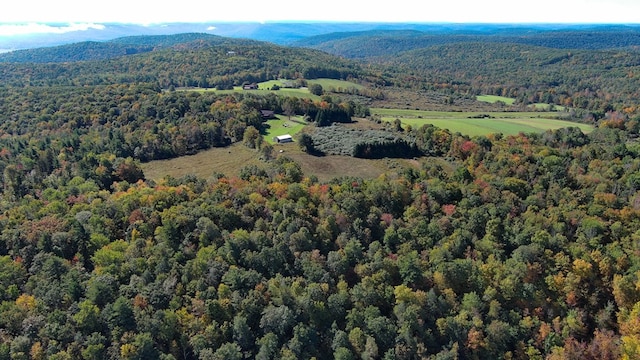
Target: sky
29	15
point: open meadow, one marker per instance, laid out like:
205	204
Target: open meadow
230	161
495	98
328	84
286	88
481	123
282	125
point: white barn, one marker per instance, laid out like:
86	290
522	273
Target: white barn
283	139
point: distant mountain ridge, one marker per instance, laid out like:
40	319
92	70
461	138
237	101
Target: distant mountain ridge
130	45
283	33
278	33
378	43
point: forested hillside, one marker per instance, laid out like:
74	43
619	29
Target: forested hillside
524	247
486	247
184	60
375	43
600	81
130	45
592	69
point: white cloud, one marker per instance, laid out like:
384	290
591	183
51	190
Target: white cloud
35	28
154	12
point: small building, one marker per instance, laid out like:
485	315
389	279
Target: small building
253	86
267	114
283	139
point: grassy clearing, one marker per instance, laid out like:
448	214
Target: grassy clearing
303	93
474	127
425	114
332	83
508	123
510	126
548	107
494	99
329	167
281	126
228	161
232	159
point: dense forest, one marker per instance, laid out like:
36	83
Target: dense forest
515	247
130	45
375	43
188	60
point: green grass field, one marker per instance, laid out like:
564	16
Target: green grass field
332	83
494	98
507	123
543	106
282	126
303	93
299	93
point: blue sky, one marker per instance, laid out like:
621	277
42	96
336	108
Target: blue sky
24	15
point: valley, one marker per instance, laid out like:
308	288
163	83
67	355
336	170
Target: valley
451	192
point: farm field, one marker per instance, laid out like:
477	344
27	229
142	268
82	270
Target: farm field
266	86
302	93
543	106
494	98
333	83
282	125
507	123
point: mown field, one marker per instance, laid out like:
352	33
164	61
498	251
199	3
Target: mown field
303	92
282	126
327	84
494	98
468	123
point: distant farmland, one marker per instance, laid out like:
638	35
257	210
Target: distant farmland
477	123
494	98
266	87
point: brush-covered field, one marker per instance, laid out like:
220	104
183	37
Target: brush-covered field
230	161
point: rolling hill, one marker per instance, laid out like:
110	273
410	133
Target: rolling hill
202	60
129	45
374	43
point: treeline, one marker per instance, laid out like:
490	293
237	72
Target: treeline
514	247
